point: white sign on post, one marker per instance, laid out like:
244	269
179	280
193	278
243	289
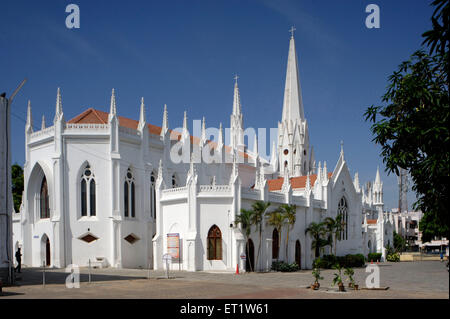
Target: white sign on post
243	256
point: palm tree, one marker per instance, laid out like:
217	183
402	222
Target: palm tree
289	212
244	218
317	231
334	227
276	219
259	210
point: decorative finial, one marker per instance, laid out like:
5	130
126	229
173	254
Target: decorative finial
292	31
236	77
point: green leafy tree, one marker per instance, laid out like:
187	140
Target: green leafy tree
412	125
276	219
244	219
399	242
289	213
259	209
317	232
17	185
334	228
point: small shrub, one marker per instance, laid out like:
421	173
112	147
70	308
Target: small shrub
394	257
328	261
374	257
284	267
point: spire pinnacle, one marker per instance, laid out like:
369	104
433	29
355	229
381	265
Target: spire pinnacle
292	103
58	110
165	123
185	132
43	122
237	109
113	109
203	137
255	146
377	176
142	121
220	138
29	124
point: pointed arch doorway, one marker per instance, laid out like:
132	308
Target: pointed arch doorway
298	253
45	251
250	254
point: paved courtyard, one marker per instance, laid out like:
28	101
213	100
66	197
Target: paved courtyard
424	279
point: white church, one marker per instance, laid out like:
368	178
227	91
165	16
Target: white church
105	189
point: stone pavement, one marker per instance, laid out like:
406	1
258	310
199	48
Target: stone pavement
426	279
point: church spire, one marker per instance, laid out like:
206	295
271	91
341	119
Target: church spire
203	137
29	125
236	123
58	110
185	132
165	123
43	122
220	138
292	103
112	108
236	98
142	121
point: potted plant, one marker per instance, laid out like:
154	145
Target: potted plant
338	277
349	272
317	277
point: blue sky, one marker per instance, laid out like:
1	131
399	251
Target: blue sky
185	54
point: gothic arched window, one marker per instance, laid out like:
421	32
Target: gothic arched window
88	202
44	201
129	195
153	195
214	243
343	211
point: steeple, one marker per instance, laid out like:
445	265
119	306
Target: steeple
142	121
112	108
29	125
185	133
43	122
292	103
203	137
220	138
165	123
58	110
293	137
236	98
236	123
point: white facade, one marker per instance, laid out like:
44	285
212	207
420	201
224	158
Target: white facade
142	195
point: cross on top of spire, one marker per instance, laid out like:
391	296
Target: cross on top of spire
236	77
291	30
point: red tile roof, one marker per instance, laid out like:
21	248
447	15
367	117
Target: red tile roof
93	116
296	182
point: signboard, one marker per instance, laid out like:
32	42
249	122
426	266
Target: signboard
173	245
243	256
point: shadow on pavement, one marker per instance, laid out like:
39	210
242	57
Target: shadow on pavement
34	276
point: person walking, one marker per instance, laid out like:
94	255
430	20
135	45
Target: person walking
19	260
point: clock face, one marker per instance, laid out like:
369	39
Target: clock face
286	152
